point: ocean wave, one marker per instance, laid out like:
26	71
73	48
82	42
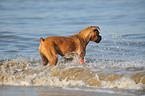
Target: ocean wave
98	74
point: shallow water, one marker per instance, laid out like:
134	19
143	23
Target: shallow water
117	63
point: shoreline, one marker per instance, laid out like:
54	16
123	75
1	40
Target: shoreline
48	91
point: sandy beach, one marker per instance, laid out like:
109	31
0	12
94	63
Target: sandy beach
47	91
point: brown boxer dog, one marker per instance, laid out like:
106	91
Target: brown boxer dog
67	47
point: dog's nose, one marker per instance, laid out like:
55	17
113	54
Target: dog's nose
99	39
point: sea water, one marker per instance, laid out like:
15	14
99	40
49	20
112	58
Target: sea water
115	65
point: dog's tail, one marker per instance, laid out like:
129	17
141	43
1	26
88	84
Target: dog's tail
41	39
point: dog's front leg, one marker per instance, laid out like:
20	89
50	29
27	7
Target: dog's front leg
82	55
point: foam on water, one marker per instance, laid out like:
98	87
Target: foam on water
99	74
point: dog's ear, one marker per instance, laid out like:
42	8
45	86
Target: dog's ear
95	28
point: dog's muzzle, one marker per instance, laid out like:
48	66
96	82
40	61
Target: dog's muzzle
99	39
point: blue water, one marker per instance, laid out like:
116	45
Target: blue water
122	24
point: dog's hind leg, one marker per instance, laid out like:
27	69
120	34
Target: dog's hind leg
53	60
51	56
44	59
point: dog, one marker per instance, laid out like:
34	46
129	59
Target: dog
67	47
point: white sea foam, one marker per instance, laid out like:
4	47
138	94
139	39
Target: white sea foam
124	82
100	74
118	63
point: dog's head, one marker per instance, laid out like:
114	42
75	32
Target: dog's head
95	34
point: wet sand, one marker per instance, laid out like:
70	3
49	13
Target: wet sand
47	91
